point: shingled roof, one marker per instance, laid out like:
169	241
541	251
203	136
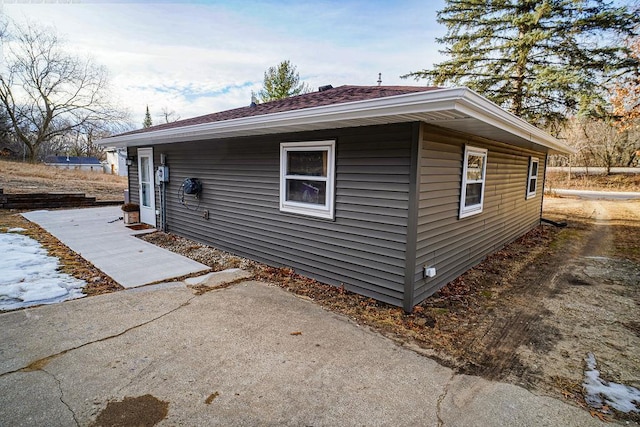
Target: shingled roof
338	95
71	160
458	109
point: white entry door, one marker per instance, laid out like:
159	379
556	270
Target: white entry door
147	189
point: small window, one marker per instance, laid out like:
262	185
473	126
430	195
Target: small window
532	182
307	178
473	177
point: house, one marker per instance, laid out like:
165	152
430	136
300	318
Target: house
72	162
390	191
116	161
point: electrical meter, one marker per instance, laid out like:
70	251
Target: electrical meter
162	174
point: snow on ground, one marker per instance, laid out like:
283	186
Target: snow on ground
29	276
600	392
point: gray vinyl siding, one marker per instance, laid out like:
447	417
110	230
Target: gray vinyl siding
363	248
454	245
134	193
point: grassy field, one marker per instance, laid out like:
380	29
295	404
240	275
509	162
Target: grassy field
618	182
18	177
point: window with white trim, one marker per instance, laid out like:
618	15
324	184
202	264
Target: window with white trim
307	178
473	180
532	181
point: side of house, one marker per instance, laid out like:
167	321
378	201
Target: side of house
512	204
363	247
370	246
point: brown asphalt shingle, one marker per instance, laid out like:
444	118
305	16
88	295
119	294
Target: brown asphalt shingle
338	95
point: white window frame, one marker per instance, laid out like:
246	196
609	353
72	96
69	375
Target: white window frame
325	211
466	211
531	177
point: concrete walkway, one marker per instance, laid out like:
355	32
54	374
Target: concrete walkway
248	355
112	247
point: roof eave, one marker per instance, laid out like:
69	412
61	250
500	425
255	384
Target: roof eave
483	109
456	103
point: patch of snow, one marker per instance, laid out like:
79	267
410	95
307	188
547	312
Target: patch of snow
600	392
15	230
30	276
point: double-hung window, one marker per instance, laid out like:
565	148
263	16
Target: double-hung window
307	178
473	181
532	181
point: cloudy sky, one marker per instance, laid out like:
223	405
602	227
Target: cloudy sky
200	57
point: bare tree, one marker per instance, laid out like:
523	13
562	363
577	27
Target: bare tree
169	116
47	92
600	143
81	141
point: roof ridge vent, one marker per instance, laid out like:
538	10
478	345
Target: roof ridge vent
324	88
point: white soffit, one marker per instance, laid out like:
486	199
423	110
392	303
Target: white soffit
459	109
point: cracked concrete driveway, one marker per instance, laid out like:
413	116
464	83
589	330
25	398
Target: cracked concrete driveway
250	354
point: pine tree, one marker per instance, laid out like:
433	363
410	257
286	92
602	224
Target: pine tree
147	120
539	59
281	82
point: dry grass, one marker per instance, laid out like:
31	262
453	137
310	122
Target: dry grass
618	182
18	177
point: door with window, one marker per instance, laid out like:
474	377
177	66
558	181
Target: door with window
147	192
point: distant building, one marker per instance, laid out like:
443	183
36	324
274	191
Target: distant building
78	163
117	161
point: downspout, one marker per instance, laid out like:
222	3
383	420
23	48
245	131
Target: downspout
412	218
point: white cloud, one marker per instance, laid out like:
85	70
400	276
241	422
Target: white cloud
201	58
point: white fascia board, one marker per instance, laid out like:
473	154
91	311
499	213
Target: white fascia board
392	108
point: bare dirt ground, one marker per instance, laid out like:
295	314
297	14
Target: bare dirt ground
591	302
528	314
18	177
576	292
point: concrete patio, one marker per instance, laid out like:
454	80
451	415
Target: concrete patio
247	355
